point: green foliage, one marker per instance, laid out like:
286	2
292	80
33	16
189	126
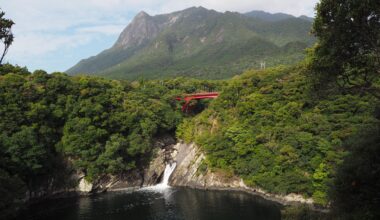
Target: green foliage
98	126
355	192
347	53
6	36
267	127
204	44
12	191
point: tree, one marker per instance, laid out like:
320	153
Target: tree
355	193
348	47
6	35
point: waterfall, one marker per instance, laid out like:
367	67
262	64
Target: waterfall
168	171
165	179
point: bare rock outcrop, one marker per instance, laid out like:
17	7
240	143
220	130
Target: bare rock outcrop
142	29
190	173
156	167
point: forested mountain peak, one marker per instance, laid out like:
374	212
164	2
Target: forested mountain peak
201	43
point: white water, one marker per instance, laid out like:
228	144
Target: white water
165	179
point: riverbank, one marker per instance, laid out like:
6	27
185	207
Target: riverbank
190	172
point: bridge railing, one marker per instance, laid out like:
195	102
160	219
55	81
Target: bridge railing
188	97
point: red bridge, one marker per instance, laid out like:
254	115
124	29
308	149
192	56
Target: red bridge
188	97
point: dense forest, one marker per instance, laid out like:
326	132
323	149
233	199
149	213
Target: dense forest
310	128
50	122
269	128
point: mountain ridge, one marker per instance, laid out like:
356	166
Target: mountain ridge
198	42
274	16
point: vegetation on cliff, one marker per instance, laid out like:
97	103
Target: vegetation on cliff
269	128
100	126
311	129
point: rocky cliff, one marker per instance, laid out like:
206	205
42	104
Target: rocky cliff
142	29
191	172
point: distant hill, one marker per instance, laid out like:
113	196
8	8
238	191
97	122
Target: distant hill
268	16
274	17
200	43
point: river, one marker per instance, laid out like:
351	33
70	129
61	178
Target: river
171	203
157	202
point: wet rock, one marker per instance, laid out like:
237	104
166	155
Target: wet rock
156	168
132	179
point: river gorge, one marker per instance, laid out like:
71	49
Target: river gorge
172	187
159	201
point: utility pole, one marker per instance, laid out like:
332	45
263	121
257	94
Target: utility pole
262	65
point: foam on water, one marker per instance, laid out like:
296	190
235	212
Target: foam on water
165	179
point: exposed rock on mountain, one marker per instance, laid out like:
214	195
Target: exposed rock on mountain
200	43
142	29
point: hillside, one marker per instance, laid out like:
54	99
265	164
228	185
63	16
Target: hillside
103	126
274	17
267	127
200	43
306	132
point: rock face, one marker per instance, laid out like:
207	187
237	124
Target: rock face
190	173
58	184
142	29
151	175
133	179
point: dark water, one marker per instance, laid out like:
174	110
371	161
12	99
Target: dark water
174	203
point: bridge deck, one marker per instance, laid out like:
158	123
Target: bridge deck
188	97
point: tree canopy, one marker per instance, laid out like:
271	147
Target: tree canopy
267	128
347	52
53	124
6	36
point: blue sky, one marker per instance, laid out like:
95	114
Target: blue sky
56	34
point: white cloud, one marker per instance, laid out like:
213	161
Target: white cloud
31	45
45	26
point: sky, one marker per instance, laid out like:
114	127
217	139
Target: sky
54	35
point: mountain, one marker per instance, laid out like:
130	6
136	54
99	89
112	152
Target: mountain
268	16
200	43
274	17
